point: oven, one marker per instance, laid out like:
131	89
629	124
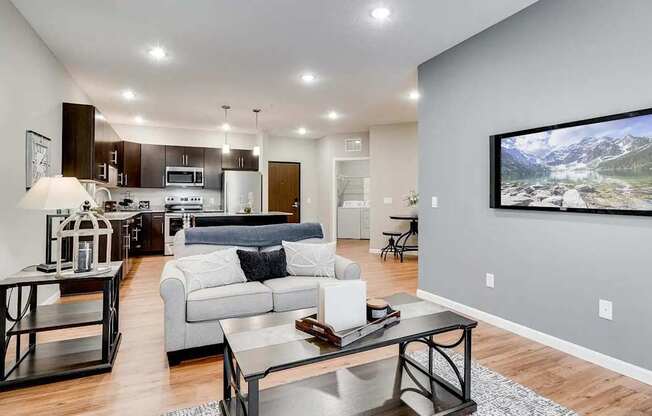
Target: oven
174	222
184	176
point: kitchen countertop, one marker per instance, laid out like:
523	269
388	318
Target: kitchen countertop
125	215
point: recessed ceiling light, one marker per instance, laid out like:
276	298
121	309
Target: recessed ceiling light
414	95
380	13
128	95
333	115
226	126
302	131
139	120
158	53
308	78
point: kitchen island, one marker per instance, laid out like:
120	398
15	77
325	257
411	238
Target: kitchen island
210	219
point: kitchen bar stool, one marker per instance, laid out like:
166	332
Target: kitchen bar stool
391	244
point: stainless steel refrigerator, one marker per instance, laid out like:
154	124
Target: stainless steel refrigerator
241	189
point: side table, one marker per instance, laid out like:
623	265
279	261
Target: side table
39	363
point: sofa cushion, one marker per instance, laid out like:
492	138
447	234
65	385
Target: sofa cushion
218	268
305	259
262	266
240	299
307	241
295	292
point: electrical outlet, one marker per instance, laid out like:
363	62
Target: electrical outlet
387	200
435	202
490	280
211	201
605	309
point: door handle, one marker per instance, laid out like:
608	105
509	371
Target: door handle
295	205
121	180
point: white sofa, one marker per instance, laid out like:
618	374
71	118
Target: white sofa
192	317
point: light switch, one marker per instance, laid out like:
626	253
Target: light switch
605	309
309	200
435	202
387	200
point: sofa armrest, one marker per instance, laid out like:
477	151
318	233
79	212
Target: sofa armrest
174	291
346	269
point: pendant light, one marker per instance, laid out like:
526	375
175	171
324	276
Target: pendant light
226	148
256	150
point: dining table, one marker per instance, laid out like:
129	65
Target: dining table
402	245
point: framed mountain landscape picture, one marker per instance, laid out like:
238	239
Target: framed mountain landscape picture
600	165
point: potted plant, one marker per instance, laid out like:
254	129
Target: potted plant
412	201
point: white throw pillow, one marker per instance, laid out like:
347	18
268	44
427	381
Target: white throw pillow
218	268
310	259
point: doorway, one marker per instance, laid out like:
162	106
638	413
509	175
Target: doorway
284	188
352	187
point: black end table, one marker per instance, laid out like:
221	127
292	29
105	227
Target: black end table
38	363
257	346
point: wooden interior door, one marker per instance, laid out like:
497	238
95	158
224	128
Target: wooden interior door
284	188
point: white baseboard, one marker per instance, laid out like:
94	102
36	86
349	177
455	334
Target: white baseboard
409	253
614	364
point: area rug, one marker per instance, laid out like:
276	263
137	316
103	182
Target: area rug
496	395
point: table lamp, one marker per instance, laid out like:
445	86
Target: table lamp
57	193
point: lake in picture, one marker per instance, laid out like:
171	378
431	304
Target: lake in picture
604	165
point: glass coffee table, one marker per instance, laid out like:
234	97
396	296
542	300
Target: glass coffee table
399	386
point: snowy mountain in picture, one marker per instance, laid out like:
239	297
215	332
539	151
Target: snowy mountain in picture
605	165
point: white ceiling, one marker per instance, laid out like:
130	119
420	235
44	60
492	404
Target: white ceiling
251	53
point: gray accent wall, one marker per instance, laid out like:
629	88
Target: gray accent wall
556	61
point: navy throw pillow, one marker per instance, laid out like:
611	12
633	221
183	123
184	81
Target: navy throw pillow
259	266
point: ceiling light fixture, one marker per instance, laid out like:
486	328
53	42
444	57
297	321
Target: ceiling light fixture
302	131
226	148
381	13
139	119
256	150
308	78
414	95
158	53
333	115
128	95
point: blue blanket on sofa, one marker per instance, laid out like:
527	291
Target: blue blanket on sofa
252	236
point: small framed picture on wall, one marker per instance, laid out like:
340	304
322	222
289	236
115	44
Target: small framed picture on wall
37	157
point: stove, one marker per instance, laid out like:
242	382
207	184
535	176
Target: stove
175	203
177	216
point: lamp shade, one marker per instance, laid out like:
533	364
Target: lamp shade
56	192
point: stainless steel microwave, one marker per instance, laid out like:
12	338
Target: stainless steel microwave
184	176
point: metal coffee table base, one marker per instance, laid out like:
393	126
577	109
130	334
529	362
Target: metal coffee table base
396	386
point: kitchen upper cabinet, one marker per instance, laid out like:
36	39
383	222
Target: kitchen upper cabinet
129	172
88	143
213	168
184	156
152	165
240	159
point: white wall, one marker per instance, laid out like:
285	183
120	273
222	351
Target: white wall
33	84
183	137
304	151
329	149
394	170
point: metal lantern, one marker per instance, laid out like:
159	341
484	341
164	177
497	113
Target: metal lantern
77	218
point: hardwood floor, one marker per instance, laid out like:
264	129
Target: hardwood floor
142	384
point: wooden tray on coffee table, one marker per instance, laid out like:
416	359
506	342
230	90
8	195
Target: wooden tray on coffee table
341	339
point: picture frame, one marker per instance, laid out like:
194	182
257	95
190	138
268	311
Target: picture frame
38	157
589	160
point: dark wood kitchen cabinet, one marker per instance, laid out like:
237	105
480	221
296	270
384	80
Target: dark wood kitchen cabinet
129	164
240	159
184	156
213	169
153	234
89	143
152	166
